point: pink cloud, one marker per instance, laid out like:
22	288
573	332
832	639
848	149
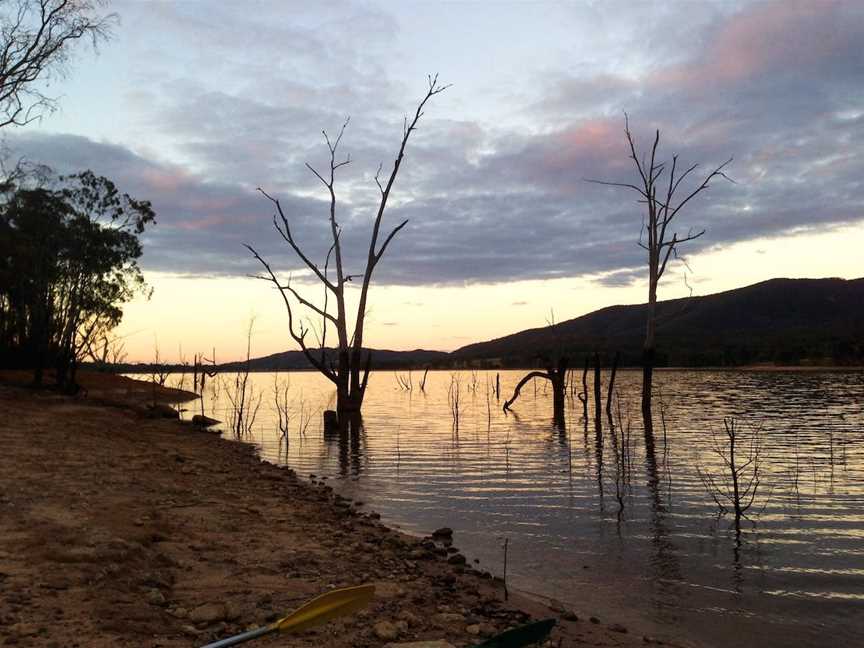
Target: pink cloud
786	36
165	180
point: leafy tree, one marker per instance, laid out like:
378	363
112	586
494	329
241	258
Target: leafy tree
68	262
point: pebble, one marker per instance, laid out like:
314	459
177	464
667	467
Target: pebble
438	643
155	597
207	613
448	618
386	631
443	532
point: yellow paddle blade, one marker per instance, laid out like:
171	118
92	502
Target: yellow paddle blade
325	607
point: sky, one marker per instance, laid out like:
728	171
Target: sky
194	105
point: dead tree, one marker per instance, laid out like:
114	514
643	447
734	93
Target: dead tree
610	392
663	204
583	395
598	405
737	485
35	41
350	370
555	374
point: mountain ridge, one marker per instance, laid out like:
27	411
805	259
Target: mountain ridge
780	321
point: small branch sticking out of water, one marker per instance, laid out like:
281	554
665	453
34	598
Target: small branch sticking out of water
506	546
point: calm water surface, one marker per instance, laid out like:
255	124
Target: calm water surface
666	565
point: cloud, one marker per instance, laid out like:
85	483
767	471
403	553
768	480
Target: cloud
774	84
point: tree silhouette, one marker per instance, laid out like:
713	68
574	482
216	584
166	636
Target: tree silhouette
35	43
68	261
663	204
349	371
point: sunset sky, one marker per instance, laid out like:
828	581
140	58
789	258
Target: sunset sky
193	105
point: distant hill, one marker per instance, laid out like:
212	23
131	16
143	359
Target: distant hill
780	321
382	359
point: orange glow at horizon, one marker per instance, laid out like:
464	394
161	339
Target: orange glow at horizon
196	314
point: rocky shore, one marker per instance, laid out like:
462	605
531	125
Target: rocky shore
122	530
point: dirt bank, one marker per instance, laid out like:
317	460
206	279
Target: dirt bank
118	530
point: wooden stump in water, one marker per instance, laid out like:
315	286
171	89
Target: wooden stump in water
331	422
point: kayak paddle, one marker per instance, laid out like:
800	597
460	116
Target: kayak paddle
319	610
525	635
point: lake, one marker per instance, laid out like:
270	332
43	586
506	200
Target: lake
604	522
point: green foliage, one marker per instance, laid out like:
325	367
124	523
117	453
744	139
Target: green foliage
69	251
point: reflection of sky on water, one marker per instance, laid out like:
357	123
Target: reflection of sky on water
666	564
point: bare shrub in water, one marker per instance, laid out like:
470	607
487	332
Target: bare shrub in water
453	397
244	401
283	409
735	488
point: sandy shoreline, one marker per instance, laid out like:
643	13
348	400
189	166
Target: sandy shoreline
117	529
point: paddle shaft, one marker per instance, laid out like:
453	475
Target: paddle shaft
243	637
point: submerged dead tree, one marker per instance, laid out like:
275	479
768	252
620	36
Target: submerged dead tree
663	203
556	374
736	484
349	371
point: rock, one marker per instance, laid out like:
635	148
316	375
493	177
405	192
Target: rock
409	618
179	612
420	554
448	618
155	597
443	532
594	620
232	611
386	631
438	643
557	606
204	421
388	590
161	410
569	615
617	627
456	559
207	613
480	629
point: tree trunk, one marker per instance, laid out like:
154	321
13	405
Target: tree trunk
558	396
598	406
610	391
648	358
